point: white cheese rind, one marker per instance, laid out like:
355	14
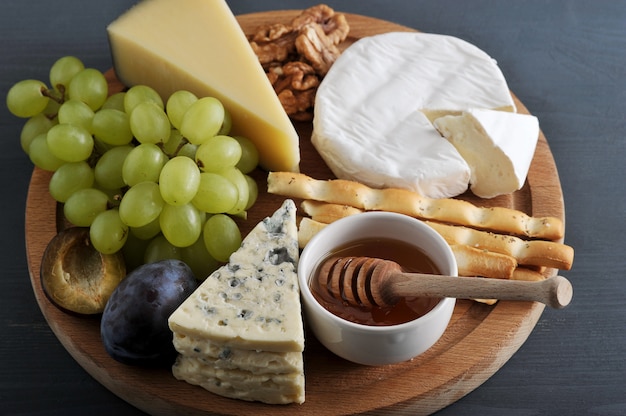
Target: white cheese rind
253	302
498	146
374	110
241	384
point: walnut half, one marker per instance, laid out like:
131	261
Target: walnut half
296	56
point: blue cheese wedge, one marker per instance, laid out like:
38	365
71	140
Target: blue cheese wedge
240	334
253	302
242	384
226	357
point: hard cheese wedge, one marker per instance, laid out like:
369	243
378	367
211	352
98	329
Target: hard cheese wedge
498	146
197	45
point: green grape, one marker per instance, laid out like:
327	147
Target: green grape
239	180
77	113
249	155
41	156
114	195
141	204
197	257
161	249
138	94
134	251
100	147
202	120
221	236
70	142
112	127
227	124
108	233
148	231
108	169
89	86
188	150
216	194
179	180
34	126
181	225
63	70
253	191
149	123
178	104
143	163
69	178
115	102
174	143
54	103
84	205
218	153
27	98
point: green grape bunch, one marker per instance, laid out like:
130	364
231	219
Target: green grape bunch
155	180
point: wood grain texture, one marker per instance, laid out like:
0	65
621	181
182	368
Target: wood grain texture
478	341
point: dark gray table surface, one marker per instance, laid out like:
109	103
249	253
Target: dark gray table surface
566	61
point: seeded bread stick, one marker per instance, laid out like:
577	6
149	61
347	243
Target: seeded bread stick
530	253
523	273
327	213
454	211
470	261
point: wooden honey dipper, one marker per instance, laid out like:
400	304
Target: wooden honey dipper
368	281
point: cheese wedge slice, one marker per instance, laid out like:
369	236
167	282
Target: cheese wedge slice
374	110
197	45
223	356
498	147
241	384
253	302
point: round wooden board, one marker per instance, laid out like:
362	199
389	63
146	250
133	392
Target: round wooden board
478	341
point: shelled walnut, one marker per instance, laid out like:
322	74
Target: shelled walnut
296	56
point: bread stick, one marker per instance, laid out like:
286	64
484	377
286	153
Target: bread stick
470	261
476	262
454	211
531	253
327	213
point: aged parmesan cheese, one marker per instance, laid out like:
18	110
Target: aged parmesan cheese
374	110
197	45
240	334
498	147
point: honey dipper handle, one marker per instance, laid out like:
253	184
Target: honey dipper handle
555	291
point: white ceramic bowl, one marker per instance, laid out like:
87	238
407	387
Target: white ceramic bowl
375	345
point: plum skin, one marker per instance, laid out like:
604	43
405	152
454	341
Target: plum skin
134	328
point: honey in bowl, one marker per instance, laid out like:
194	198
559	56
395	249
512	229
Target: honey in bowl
407	309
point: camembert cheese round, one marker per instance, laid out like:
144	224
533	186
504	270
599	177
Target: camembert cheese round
375	107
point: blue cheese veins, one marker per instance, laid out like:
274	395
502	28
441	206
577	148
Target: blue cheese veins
253	302
240	334
241	384
227	357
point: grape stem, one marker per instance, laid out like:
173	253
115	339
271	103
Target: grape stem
52	93
57	95
182	143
